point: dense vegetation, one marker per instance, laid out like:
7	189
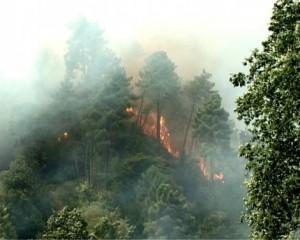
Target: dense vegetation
271	110
111	157
107	156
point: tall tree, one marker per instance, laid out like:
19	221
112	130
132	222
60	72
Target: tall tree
105	125
212	131
165	210
270	109
197	92
159	82
20	196
88	58
91	69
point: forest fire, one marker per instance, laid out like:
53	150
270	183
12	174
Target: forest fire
206	171
130	110
219	176
148	124
63	136
165	138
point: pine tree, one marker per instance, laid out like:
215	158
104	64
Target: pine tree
159	82
197	92
212	131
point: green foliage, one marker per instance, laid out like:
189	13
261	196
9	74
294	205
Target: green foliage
199	89
270	108
86	151
165	209
65	224
20	195
217	225
159	83
112	226
195	93
195	186
71	193
211	128
88	57
7	230
20	177
158	77
211	124
92	211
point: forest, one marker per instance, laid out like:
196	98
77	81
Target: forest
104	155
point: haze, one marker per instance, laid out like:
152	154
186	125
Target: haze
197	35
122	112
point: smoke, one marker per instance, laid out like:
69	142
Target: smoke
196	34
212	35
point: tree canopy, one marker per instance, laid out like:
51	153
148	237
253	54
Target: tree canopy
106	158
270	108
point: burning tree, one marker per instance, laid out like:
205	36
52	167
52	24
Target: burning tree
159	83
212	132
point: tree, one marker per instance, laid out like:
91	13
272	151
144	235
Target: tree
65	224
270	109
212	131
112	226
88	58
20	196
217	225
197	91
7	230
105	126
159	82
94	75
50	71
165	210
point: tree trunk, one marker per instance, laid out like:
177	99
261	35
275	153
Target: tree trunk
187	128
107	164
139	118
87	161
158	120
192	145
145	120
92	155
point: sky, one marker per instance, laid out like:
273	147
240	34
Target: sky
216	35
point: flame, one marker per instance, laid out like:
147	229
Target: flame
64	135
130	110
219	176
206	171
148	124
204	168
165	138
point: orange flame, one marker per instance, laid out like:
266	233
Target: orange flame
206	171
130	110
148	124
165	138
